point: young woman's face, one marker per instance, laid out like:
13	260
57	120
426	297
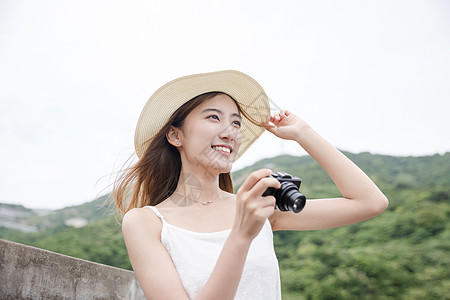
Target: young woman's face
211	135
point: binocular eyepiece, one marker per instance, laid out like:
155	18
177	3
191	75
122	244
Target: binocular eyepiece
288	196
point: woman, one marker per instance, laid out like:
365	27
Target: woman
187	235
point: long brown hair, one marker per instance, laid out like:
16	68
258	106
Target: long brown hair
155	175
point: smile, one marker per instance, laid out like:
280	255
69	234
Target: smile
224	149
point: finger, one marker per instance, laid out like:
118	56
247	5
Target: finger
274	116
260	206
253	178
272	129
268	212
277	117
255	203
268	201
263	184
269	127
267	206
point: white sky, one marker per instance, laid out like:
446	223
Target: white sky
74	76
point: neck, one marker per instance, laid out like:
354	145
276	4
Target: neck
195	187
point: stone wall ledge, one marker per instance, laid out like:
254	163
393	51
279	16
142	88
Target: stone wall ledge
31	273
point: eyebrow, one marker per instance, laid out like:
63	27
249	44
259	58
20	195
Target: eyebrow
221	112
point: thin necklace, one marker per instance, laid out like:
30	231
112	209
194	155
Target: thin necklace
193	196
195	193
204	202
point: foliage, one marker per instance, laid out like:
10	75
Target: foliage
100	241
401	254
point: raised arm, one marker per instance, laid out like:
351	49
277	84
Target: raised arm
361	197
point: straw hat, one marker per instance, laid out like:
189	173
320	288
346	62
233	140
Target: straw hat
171	96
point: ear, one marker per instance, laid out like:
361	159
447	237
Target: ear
173	136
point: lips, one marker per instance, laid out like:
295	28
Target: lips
223	148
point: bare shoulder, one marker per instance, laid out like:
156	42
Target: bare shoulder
150	260
141	220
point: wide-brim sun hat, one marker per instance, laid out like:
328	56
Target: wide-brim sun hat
167	99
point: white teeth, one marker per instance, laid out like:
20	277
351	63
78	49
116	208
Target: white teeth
223	149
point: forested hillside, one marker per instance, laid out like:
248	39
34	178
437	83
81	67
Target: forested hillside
402	254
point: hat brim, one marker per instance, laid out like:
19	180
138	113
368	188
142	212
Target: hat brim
167	99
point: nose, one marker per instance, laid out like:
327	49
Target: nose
229	133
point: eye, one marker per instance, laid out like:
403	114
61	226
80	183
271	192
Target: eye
237	123
215	117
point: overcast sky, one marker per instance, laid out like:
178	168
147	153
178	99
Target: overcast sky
74	75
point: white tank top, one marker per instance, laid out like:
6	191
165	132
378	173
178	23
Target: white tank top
195	254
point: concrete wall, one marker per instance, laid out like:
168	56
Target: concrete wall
31	273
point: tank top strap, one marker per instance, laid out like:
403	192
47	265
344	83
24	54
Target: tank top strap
156	212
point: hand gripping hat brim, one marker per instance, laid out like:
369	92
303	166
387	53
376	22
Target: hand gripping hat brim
171	96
